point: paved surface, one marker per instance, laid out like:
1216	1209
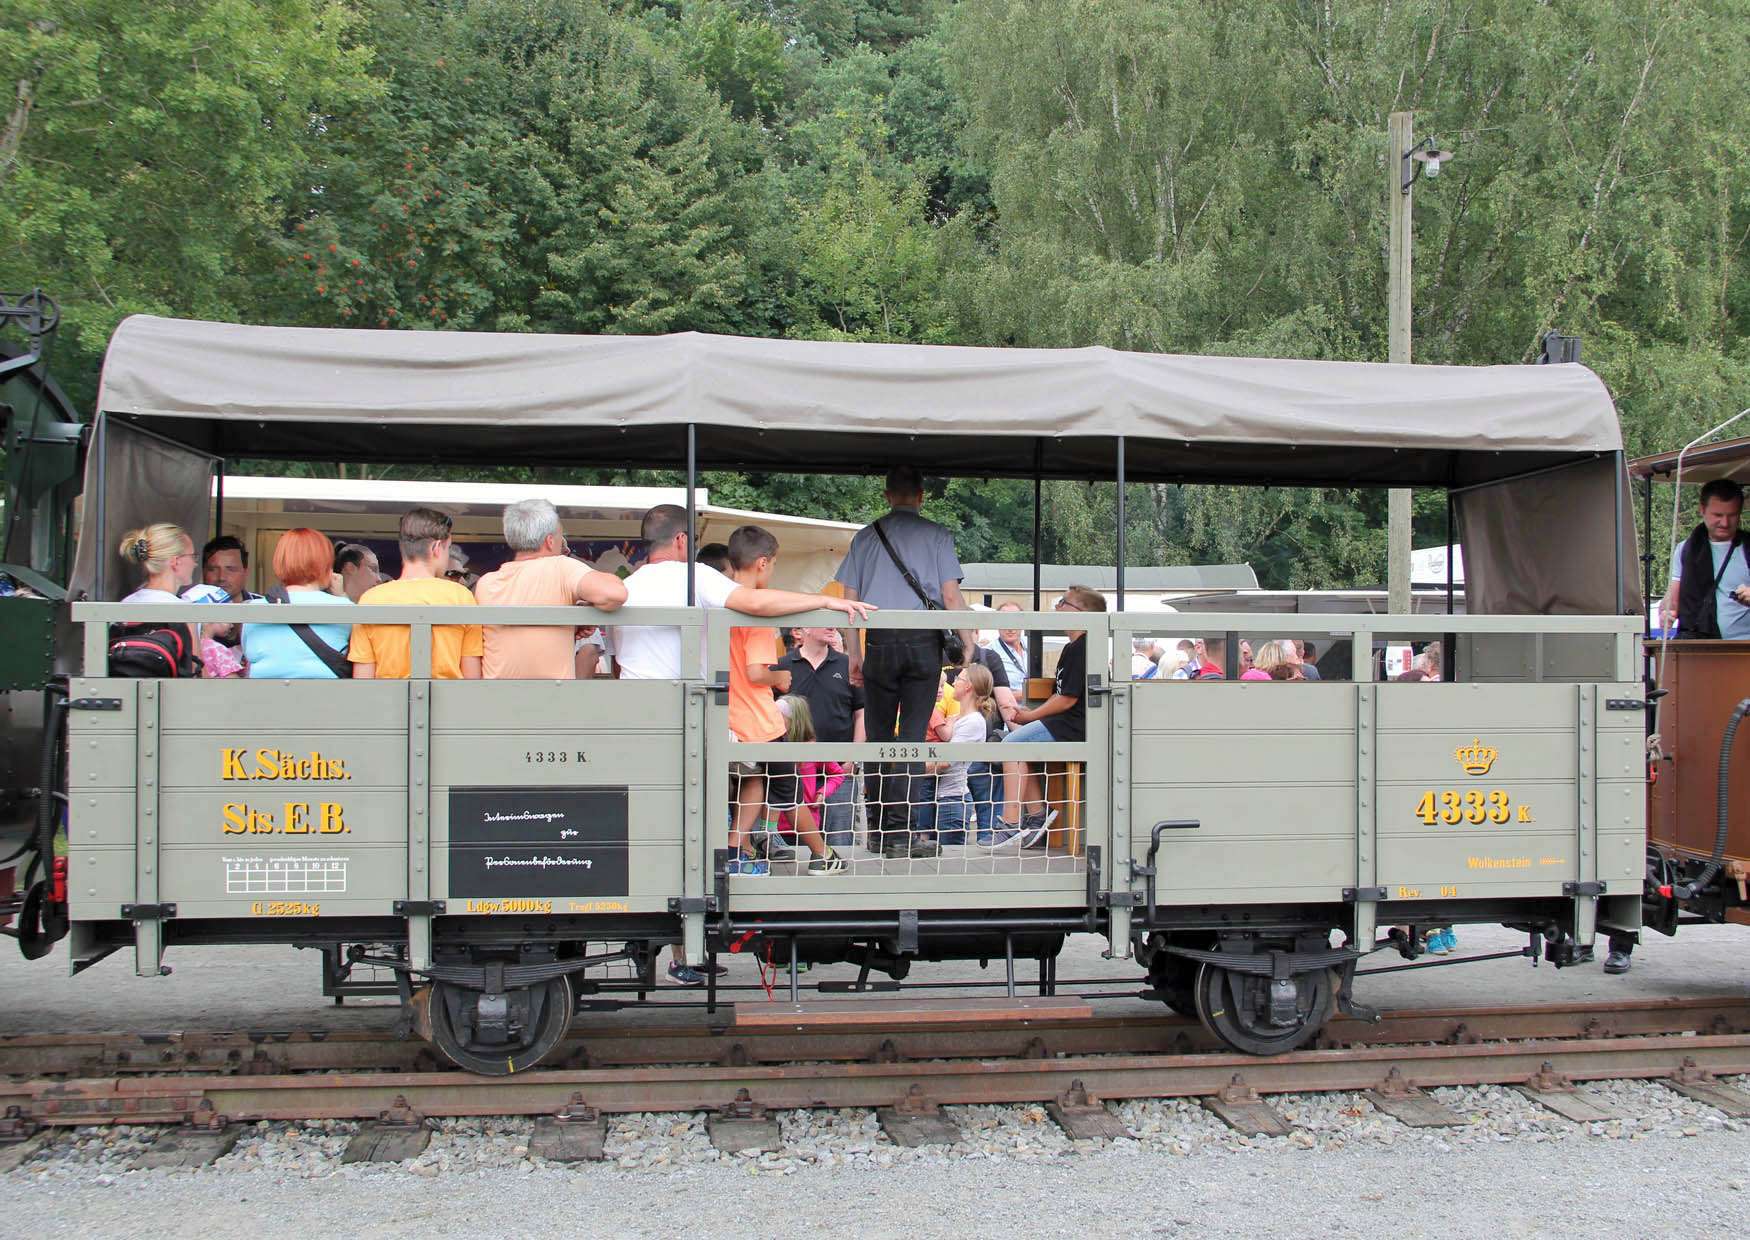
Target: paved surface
1661	1186
280	987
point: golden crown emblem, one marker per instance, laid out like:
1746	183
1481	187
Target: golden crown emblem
1476	758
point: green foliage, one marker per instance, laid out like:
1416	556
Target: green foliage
866	263
741	57
1162	175
149	144
532	165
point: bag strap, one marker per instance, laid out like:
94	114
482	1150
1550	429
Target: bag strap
331	658
910	580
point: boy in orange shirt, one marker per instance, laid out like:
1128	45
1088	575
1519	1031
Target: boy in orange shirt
384	651
753	712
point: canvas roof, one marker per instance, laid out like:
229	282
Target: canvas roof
1730	458
810	406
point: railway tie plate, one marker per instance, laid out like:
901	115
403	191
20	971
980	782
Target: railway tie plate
1410	1106
1240	1108
189	1146
564	1141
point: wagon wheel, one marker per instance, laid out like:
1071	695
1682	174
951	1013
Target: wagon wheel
1236	1007
1174	979
540	1015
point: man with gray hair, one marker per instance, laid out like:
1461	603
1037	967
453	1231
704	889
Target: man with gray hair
541	573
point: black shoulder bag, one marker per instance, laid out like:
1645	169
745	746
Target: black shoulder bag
332	659
951	640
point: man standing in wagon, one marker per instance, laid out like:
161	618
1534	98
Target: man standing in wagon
901	562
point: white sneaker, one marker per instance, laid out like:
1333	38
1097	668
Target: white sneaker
1034	827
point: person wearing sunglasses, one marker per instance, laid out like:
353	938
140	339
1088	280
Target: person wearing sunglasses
1062	717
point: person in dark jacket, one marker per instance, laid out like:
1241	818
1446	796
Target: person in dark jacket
1710	570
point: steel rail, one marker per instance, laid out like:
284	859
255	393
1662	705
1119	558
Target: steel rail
912	1087
907	1036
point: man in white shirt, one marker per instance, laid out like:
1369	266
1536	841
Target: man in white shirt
654	652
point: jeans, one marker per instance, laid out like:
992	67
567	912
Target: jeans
1030	733
901	672
980	790
950	822
838	819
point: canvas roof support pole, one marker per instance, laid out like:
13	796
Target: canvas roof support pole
1616	527
1448	641
100	561
1119	551
692	506
1449	555
218	498
1647	539
1035	651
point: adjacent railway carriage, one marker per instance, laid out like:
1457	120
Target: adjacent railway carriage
492	843
1698	829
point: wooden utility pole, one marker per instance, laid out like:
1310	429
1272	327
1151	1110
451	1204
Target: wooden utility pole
1398	200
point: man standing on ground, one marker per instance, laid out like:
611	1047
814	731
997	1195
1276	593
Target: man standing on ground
384	651
822	677
541	573
902	562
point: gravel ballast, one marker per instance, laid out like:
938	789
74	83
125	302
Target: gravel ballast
1511	1168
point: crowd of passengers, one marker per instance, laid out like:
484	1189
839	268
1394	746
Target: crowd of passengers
904	685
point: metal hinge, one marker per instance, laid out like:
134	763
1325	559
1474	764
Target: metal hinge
688	905
1583	889
1363	895
1121	899
1624	704
148	912
418	908
95	704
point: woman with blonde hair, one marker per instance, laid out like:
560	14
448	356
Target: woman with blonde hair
163	554
1277	660
975	691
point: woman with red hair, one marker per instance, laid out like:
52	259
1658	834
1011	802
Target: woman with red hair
304	563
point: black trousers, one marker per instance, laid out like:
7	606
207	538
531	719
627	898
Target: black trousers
901	673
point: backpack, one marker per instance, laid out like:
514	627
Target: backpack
152	651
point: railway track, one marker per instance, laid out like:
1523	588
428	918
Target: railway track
763	1034
907	1065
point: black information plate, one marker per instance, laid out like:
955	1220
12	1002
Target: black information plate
538	842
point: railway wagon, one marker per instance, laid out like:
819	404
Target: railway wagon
1248	843
1698	794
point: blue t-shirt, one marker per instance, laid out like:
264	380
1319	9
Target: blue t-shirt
1733	616
926	548
276	653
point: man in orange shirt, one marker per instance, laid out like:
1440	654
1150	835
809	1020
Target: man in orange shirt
754	715
541	574
384	651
